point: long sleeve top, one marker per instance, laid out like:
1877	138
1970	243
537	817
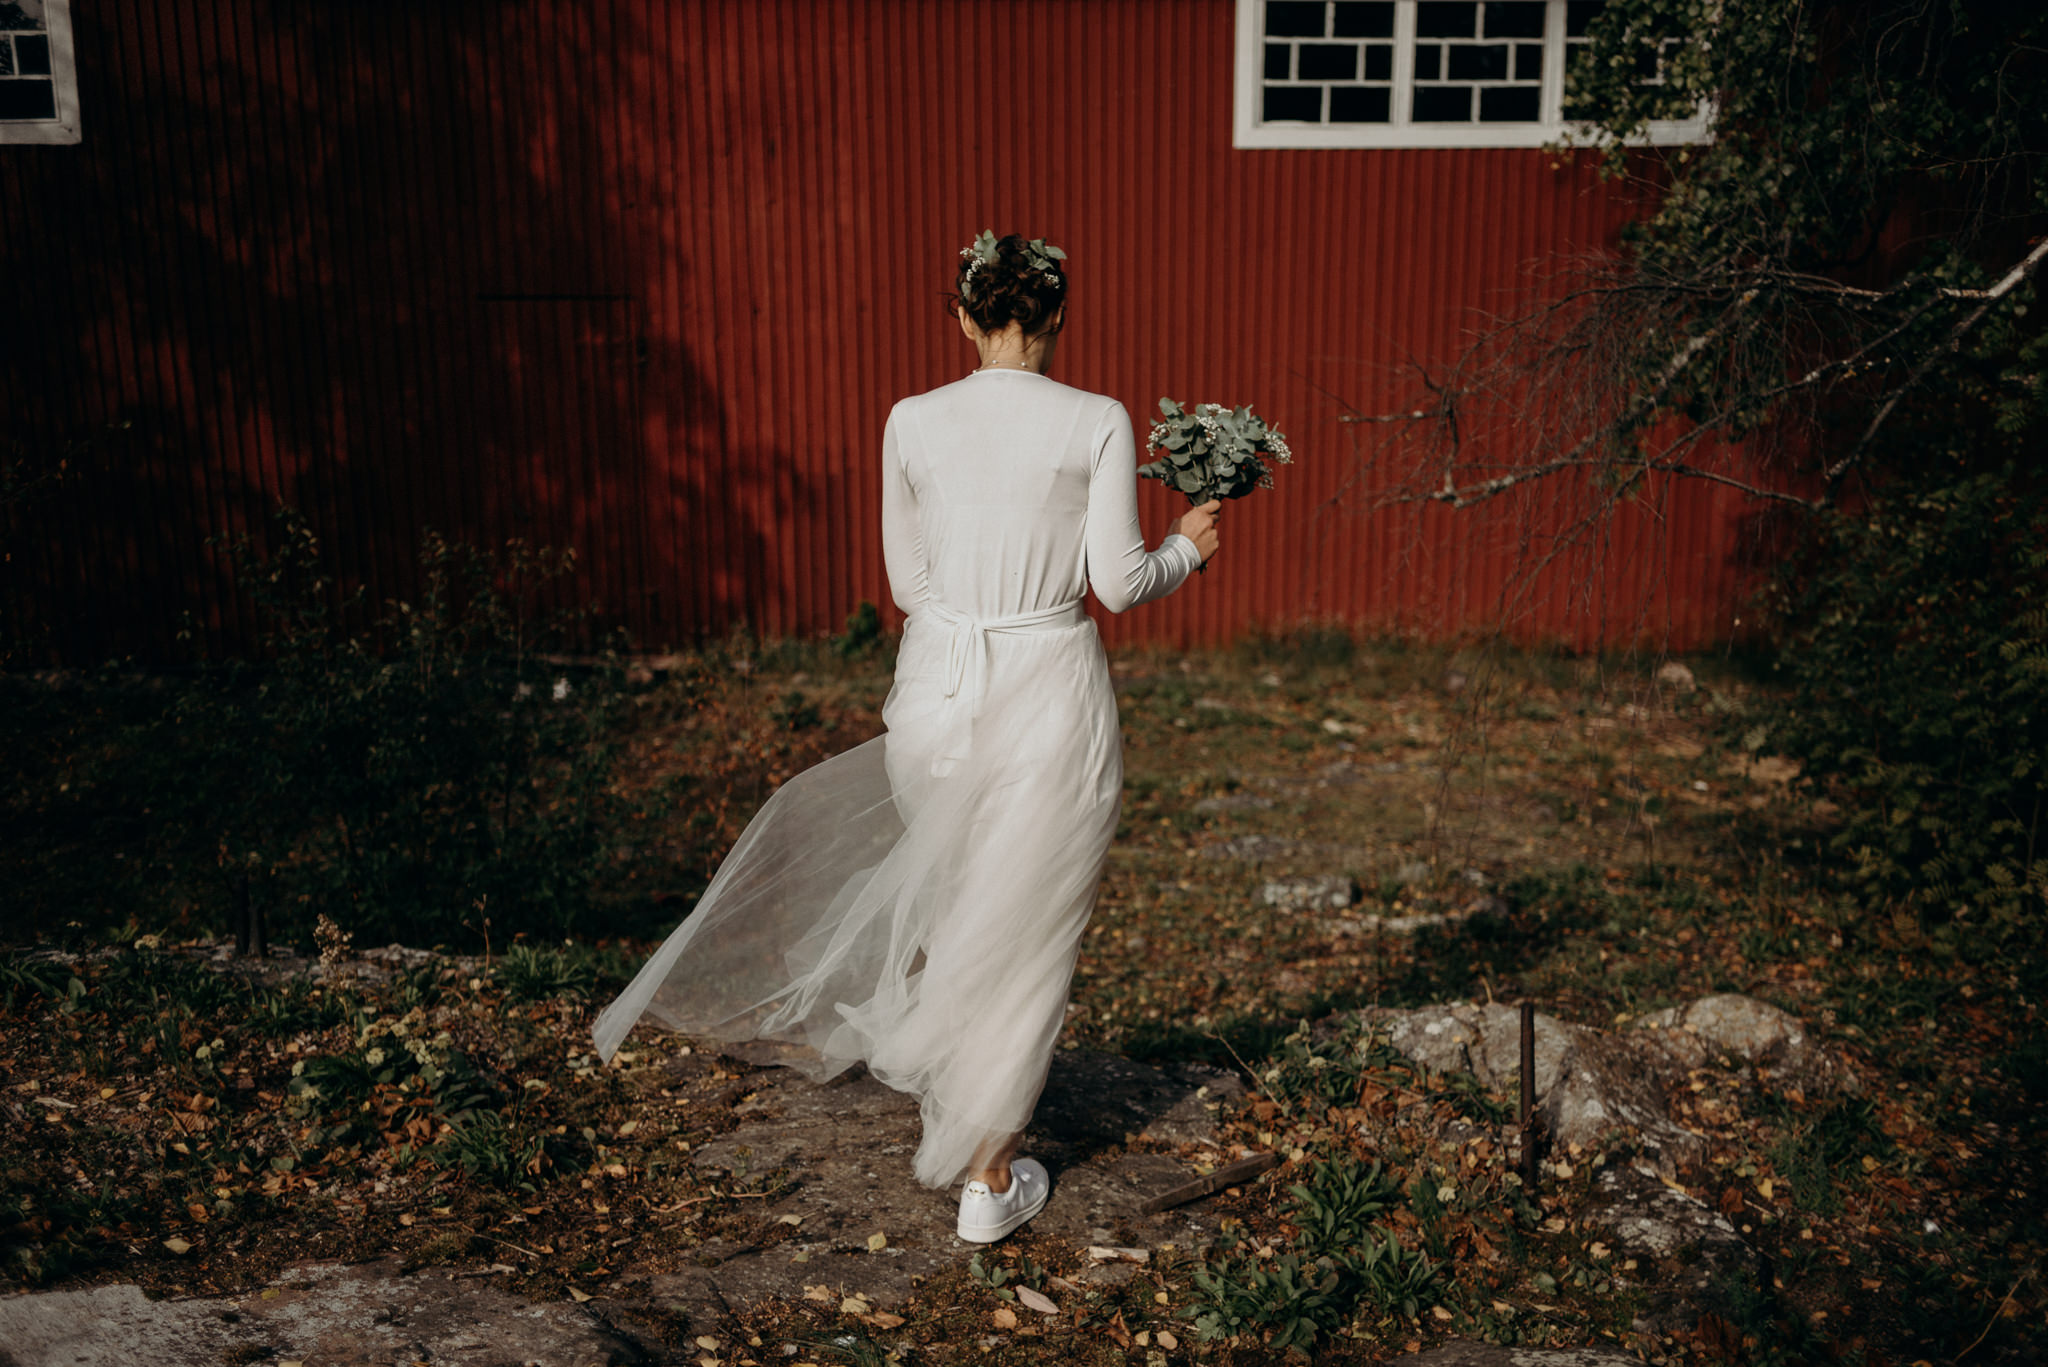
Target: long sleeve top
1008	493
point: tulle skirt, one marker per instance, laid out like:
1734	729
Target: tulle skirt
917	902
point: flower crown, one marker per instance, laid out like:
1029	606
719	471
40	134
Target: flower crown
1044	259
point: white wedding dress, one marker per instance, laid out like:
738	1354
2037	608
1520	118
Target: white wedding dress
917	902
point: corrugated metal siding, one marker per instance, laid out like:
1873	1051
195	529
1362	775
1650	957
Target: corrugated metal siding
644	278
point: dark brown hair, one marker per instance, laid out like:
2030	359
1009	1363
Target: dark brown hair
1012	290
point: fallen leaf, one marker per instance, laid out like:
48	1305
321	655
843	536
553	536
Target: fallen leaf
706	1341
1165	1339
1034	1301
628	1128
405	1219
197	1211
177	1246
578	1296
1439	1312
789	1219
1103	1254
818	1293
1004	1317
1120	1331
854	1305
1143	1338
877	1241
1598	1249
882	1319
1764	1188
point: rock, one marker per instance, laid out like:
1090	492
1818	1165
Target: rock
1327	893
1677	677
328	1313
1583	1086
1775	1041
1694	1248
1411	873
846	1144
1252	847
1234	802
1590	1080
1460	1353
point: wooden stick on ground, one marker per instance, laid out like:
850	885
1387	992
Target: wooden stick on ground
1229	1175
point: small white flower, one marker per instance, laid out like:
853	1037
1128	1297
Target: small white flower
298	1068
374	1058
1446	1193
561	689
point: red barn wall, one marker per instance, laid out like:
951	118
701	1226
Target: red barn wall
644	278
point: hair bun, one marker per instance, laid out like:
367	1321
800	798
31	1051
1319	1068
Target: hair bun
1009	280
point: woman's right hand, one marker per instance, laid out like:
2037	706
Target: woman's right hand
1198	524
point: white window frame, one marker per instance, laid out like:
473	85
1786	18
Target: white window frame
1249	131
63	75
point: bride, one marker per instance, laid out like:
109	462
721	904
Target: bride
917	903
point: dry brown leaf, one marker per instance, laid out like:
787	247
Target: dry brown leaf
177	1246
578	1296
1165	1339
818	1293
1032	1300
877	1241
882	1319
854	1305
1119	1331
1004	1317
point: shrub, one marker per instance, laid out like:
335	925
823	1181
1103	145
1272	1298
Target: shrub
400	770
1917	664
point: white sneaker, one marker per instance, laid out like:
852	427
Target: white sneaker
986	1216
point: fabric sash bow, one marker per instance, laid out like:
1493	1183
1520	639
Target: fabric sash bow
966	677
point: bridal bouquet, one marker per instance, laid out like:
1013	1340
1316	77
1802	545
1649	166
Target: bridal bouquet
1211	451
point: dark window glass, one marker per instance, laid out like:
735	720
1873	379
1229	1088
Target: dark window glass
1508	104
1428	61
1294	103
1328	62
1578	16
1360	104
1277	58
1379	62
1360	19
28	100
6	56
1436	19
1488	63
1516	19
1443	104
1294	18
1529	61
32	51
1644	60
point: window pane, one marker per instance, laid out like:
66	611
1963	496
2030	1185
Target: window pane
1488	63
1436	19
1360	104
1294	18
28	100
1443	104
6	56
32	53
1508	104
1517	19
1578	16
1295	103
1379	62
1528	61
1278	55
1328	62
1428	62
1361	19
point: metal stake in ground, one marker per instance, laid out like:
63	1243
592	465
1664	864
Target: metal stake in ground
1529	1096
